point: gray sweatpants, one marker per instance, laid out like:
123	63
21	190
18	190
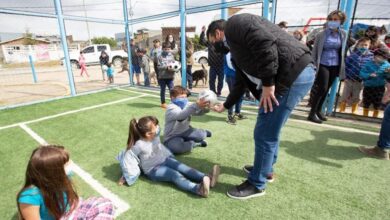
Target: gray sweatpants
351	91
185	141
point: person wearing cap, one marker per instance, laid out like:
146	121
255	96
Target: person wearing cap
374	74
155	52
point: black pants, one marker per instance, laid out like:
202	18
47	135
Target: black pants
324	80
373	95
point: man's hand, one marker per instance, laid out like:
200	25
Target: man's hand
219	108
202	103
268	98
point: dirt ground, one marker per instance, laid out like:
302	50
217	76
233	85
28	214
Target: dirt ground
17	86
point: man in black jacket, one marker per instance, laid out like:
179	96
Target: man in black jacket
278	70
215	60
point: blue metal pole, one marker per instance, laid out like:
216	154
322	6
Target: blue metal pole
342	5
64	43
33	69
350	5
224	10
126	17
266	9
273	14
183	43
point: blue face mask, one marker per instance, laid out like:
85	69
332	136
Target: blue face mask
362	49
333	25
181	102
164	53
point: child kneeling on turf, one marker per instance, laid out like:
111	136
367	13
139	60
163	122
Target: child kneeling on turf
158	163
179	136
48	192
374	74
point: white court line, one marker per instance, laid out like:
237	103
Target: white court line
325	125
126	90
121	206
73	111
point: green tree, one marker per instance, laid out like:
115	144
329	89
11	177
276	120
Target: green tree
28	38
104	40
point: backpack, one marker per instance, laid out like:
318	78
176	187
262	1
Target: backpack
129	164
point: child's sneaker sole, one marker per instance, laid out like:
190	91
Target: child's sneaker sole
214	175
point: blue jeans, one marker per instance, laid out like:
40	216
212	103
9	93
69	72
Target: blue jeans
146	79
178	173
189	76
268	127
186	141
163	84
230	80
214	74
384	136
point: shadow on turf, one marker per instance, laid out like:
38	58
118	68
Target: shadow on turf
319	149
112	172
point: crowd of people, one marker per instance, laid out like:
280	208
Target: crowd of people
255	55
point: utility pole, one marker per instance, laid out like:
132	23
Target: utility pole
85	15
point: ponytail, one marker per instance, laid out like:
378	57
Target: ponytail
138	129
134	135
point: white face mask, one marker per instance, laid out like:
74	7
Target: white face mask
158	130
69	170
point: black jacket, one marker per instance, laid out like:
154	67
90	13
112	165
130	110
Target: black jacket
264	51
215	59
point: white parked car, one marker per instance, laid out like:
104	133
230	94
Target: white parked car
92	54
201	56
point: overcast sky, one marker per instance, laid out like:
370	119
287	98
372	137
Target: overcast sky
295	12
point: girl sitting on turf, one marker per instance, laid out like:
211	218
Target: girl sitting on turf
48	193
158	163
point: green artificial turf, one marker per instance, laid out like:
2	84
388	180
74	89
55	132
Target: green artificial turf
320	174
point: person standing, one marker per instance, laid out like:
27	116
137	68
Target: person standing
278	70
382	148
328	55
104	59
83	65
167	74
135	61
155	52
190	62
215	60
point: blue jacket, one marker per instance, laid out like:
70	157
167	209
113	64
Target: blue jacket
354	63
372	67
228	68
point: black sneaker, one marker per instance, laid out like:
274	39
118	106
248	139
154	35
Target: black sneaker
239	116
249	168
245	191
231	120
208	133
203	144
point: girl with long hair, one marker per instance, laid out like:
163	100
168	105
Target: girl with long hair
48	192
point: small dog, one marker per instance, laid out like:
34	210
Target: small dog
153	76
200	75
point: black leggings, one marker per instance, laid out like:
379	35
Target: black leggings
324	80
